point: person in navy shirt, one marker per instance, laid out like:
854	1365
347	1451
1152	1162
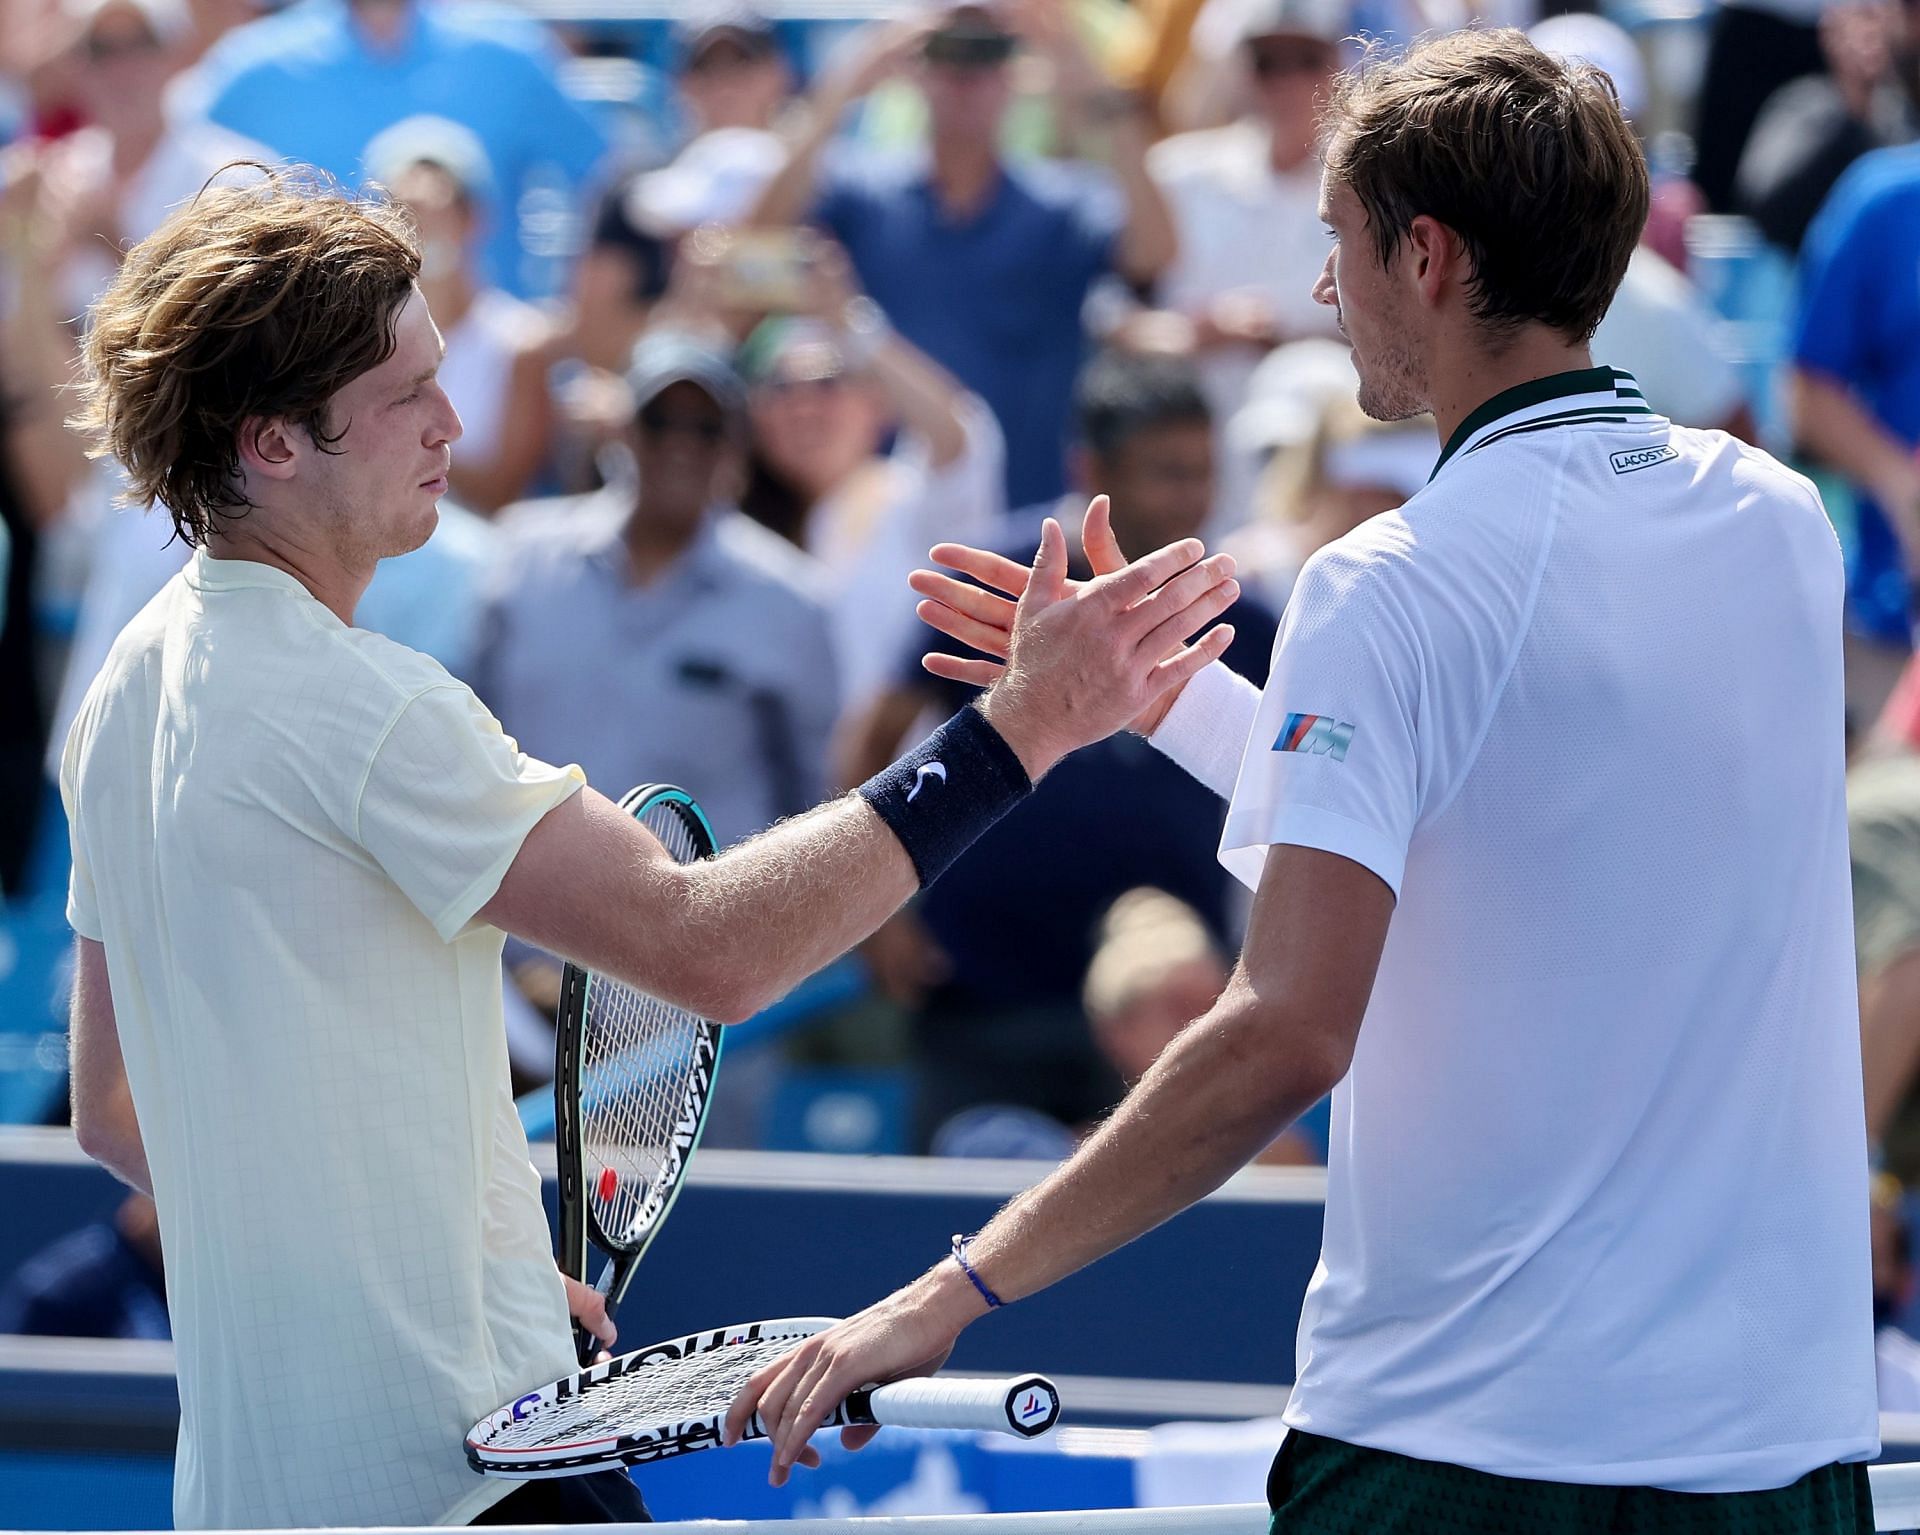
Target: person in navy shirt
319	80
1856	396
983	263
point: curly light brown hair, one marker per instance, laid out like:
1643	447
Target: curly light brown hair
252	302
1525	156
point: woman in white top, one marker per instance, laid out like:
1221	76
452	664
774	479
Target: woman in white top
828	387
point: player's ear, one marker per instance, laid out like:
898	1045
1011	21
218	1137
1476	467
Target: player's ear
1434	255
270	446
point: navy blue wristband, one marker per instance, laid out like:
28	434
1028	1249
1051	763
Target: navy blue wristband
960	1257
943	794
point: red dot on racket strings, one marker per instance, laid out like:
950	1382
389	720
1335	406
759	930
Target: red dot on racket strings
609	1183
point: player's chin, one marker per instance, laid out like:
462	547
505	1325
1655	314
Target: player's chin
417	529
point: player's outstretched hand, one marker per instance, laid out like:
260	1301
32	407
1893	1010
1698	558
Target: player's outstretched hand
1083	659
981	617
899	1337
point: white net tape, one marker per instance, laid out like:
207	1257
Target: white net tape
638	1059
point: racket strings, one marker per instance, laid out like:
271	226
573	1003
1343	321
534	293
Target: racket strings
651	1397
639	1058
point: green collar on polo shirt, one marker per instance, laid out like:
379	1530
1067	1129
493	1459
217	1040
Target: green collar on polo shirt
1560	399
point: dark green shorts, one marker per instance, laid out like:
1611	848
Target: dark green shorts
1326	1487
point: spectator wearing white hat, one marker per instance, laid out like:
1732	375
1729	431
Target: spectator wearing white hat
495	369
1244	200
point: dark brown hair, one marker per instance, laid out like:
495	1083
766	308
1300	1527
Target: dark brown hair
250	302
1526	157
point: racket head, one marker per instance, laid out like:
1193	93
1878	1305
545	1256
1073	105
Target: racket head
657	1402
633	1076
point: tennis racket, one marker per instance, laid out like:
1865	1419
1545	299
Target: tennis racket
632	1079
672	1398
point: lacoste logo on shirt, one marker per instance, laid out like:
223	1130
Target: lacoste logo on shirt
1642	458
1320	735
921	774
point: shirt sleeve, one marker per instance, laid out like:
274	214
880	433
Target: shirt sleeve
1333	761
448	800
83	906
1834	315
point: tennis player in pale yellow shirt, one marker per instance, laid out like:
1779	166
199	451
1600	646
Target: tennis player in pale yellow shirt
297	848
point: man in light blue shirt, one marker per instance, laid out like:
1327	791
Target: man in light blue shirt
654	632
317	81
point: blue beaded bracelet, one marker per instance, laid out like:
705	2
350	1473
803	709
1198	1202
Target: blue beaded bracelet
960	1257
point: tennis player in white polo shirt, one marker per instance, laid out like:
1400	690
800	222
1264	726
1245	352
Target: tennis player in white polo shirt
1543	808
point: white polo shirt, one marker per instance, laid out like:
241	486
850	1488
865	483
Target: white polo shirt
1597	1203
282	829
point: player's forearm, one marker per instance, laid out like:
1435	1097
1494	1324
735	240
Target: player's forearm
1149	242
785	200
104	1120
1837	429
765	915
110	1134
1214	1100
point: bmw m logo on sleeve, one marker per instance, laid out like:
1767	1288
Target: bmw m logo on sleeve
1320	735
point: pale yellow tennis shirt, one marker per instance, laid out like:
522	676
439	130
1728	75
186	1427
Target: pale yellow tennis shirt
282	829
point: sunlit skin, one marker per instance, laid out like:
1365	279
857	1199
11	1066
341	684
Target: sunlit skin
1289	92
125	70
687	460
965	103
728	86
816	432
1373	311
328	514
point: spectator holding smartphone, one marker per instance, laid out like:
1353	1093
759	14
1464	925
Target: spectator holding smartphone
982	263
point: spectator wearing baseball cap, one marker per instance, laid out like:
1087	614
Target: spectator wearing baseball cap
652	631
983	263
1245	202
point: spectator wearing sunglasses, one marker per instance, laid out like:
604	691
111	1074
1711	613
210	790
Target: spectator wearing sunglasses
120	176
650	631
982	262
1244	200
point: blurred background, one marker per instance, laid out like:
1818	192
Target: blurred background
745	307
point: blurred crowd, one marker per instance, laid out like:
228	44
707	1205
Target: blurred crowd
742	314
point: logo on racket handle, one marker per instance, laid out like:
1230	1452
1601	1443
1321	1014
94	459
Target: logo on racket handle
1033	1407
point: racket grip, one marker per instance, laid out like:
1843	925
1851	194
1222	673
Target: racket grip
1026	1405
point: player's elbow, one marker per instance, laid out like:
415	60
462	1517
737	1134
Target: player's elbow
1290	1055
104	1131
